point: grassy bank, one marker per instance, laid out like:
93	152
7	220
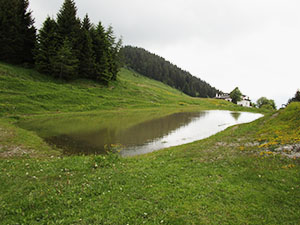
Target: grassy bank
242	175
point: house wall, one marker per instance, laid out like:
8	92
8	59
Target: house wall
244	103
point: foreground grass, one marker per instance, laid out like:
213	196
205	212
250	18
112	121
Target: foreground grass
220	180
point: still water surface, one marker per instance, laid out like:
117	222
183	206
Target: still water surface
88	135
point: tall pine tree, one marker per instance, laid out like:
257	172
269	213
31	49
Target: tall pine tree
87	56
69	25
65	64
47	46
17	32
113	53
101	50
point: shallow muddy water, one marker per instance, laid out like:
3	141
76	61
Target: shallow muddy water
132	134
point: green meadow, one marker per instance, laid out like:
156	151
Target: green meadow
238	176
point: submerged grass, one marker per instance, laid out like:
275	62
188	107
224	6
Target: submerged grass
220	180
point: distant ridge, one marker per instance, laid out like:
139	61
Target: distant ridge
157	68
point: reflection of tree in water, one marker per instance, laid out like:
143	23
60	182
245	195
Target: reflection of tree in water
83	143
235	115
158	128
94	142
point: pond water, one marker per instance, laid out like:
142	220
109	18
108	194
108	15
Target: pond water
132	134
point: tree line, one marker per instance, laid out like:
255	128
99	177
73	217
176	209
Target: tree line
296	97
158	68
66	47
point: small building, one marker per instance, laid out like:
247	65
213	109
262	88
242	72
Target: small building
224	96
246	102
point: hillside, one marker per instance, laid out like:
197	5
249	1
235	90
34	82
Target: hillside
25	91
158	68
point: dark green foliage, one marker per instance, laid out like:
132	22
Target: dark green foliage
101	47
47	46
87	59
70	49
69	26
158	68
236	95
263	102
86	23
65	64
68	23
296	98
17	33
113	51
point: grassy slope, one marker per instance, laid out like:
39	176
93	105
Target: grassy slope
24	91
220	180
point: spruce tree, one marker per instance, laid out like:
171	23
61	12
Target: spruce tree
65	64
67	19
101	50
87	56
86	23
28	32
47	46
114	58
9	39
17	32
69	25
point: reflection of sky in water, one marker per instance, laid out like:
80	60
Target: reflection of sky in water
202	127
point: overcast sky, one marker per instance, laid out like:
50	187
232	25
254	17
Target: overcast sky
250	44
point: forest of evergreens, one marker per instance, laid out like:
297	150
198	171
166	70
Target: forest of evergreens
158	68
66	47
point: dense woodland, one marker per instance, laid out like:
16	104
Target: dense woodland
65	47
158	68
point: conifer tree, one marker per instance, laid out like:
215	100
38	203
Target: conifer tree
101	50
67	20
86	23
113	53
87	56
69	26
17	32
65	64
28	32
8	30
47	46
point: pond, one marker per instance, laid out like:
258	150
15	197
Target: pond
133	133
